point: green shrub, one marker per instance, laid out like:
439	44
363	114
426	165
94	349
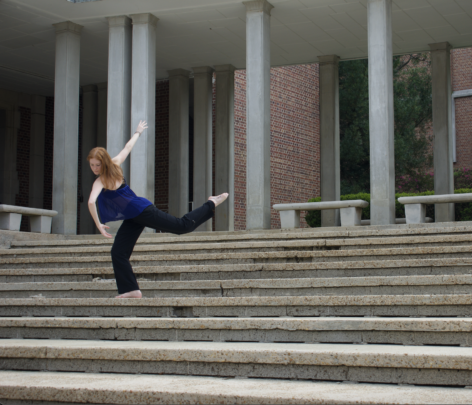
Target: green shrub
463	210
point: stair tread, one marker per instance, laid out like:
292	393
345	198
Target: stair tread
327	300
109	284
157	389
287	323
374	355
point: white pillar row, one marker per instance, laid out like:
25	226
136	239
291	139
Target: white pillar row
178	142
329	137
442	128
224	146
66	127
381	114
118	129
89	141
38	130
143	107
258	114
203	139
102	101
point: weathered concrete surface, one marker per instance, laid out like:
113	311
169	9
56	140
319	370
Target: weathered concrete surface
382	165
66	127
456	358
258	113
442	128
135	389
143	106
329	137
119	87
203	139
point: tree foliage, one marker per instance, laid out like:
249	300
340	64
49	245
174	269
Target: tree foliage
413	113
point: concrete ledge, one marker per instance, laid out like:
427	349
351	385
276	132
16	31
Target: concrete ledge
161	389
377	300
301	283
436	199
208	257
462	263
350	211
324	205
305	324
274	234
424	357
27	211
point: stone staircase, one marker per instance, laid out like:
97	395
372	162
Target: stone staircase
371	315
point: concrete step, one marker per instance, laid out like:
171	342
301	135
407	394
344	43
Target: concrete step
245	271
393	364
446	252
400	331
243	247
106	288
354	305
452	228
93	388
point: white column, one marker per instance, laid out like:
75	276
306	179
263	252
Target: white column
38	129
178	141
89	141
442	128
203	142
143	96
66	128
119	89
102	116
381	118
258	113
329	137
224	146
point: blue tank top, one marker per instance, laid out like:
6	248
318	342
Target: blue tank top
120	204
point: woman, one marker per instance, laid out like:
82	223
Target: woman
116	202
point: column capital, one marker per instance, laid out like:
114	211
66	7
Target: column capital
89	88
179	72
144	18
255	6
203	70
224	68
329	59
440	46
68	26
119	21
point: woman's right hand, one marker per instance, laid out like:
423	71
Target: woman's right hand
102	230
141	127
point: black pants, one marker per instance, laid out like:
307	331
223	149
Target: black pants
151	217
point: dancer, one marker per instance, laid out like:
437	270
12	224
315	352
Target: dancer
116	202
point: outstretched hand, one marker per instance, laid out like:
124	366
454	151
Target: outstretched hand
141	127
101	228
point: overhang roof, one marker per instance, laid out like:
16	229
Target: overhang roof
213	32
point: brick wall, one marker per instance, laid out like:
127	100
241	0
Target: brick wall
22	163
295	139
461	63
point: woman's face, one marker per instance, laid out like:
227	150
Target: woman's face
96	166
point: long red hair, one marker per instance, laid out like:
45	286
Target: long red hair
110	172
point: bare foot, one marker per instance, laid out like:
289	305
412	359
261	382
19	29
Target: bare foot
131	294
219	199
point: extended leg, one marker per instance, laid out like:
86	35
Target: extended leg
157	219
121	251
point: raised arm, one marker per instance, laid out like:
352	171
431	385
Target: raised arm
96	189
121	157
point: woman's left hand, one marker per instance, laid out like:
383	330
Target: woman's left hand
141	127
